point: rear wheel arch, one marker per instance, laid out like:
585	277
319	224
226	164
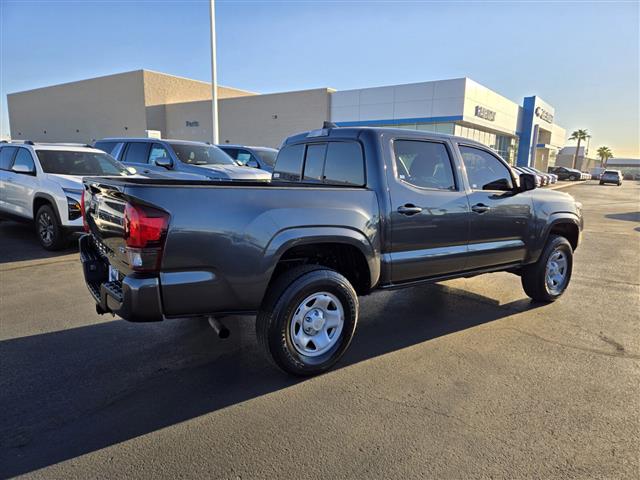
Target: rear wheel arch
343	255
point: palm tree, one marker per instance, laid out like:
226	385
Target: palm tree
605	154
578	135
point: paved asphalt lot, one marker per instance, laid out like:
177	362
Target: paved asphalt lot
465	379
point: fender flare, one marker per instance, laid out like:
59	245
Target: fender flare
50	200
293	237
553	220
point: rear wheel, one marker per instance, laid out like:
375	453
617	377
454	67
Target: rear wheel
572	177
548	278
48	228
307	319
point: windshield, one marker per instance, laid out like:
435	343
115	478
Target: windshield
201	154
79	163
267	156
611	172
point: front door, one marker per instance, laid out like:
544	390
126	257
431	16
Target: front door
430	211
500	215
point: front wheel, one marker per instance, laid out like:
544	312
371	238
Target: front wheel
307	319
573	178
548	278
49	230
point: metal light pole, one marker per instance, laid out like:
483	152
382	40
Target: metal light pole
214	76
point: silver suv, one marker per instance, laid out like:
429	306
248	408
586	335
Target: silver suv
42	183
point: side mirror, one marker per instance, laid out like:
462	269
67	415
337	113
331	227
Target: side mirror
164	162
527	182
252	163
24	169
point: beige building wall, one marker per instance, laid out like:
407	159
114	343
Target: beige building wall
80	111
266	120
161	90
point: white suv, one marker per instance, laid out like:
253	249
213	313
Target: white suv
42	183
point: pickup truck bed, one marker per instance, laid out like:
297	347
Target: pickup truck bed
349	210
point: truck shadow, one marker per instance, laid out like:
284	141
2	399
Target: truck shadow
72	392
629	216
18	242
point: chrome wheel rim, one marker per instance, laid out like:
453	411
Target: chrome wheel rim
45	228
317	324
556	272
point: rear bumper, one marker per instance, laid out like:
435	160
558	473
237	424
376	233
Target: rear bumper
134	298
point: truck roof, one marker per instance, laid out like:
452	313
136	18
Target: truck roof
354	132
151	140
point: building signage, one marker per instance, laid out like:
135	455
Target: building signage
192	124
485	113
544	115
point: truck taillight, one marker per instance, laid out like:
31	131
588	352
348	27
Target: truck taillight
85	225
145	230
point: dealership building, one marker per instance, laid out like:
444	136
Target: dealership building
146	103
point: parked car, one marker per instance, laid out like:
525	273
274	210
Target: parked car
349	211
551	177
152	155
42	183
538	178
263	158
565	173
611	176
545	177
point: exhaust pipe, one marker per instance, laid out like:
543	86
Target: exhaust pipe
218	327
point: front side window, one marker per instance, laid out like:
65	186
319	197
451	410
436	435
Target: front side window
79	163
157	151
136	153
6	157
194	154
424	164
484	171
24	159
243	157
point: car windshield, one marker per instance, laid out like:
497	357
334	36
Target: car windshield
65	162
267	156
610	172
201	154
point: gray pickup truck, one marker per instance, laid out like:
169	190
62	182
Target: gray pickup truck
349	211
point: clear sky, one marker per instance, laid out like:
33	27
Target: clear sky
581	57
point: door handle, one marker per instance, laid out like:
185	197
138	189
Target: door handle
480	208
409	209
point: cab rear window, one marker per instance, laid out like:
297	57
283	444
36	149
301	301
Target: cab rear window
330	163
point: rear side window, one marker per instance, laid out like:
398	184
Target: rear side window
424	164
137	152
289	163
106	147
6	157
344	164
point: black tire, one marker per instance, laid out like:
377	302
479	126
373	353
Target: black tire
50	233
601	183
573	178
534	276
281	303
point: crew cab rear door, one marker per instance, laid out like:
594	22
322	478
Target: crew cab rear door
429	210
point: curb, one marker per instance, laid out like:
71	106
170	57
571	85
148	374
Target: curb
559	186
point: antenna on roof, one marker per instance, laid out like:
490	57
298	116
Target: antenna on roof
329	125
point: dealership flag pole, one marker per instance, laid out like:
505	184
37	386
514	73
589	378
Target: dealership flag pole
214	76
